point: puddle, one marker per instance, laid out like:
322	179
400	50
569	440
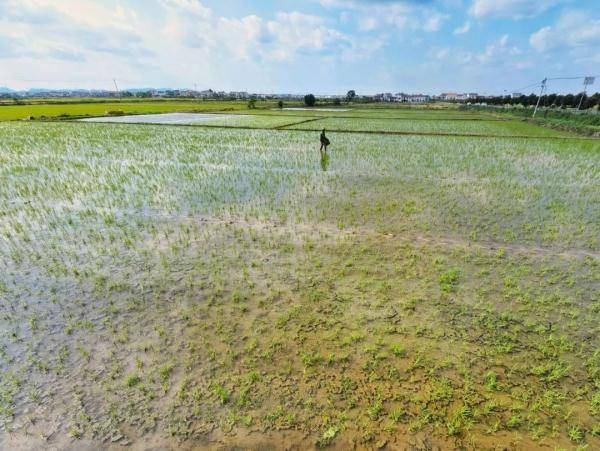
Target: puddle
166	118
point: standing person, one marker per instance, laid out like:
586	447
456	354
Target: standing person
324	143
324	156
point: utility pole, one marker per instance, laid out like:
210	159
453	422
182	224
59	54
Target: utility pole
537	105
586	81
117	88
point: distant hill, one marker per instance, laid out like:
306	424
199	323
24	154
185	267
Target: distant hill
5	90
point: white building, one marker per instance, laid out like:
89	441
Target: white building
411	98
239	95
458	96
384	97
207	94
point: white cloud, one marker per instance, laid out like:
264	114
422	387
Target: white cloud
542	40
293	32
511	9
403	15
463	29
70	30
410	15
498	50
577	31
350	4
81	12
251	37
182	42
368	23
499	55
86	27
434	22
88	40
442	54
193	7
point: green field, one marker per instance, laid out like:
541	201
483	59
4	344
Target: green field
54	109
166	286
585	123
49	109
471	127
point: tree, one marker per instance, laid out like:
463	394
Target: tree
337	101
280	104
251	104
592	101
569	100
310	100
351	94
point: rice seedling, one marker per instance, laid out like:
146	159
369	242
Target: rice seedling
132	380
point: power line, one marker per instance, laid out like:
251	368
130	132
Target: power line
539	83
528	86
573	78
587	80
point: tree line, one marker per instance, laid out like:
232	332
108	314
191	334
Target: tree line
547	100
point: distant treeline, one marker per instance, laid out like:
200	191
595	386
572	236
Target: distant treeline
548	100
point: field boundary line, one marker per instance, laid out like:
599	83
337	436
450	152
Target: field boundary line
279	127
463	135
357	132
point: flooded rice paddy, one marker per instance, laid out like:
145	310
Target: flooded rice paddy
331	110
164	118
165	287
214	120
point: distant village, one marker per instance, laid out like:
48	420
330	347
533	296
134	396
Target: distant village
209	94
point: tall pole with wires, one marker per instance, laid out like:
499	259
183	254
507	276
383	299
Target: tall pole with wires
117	88
586	81
543	88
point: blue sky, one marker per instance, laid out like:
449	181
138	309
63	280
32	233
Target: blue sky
320	46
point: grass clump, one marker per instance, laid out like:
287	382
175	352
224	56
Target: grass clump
328	436
576	434
221	393
131	380
595	404
398	350
375	409
449	280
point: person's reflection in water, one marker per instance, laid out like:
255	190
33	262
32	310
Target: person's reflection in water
324	161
